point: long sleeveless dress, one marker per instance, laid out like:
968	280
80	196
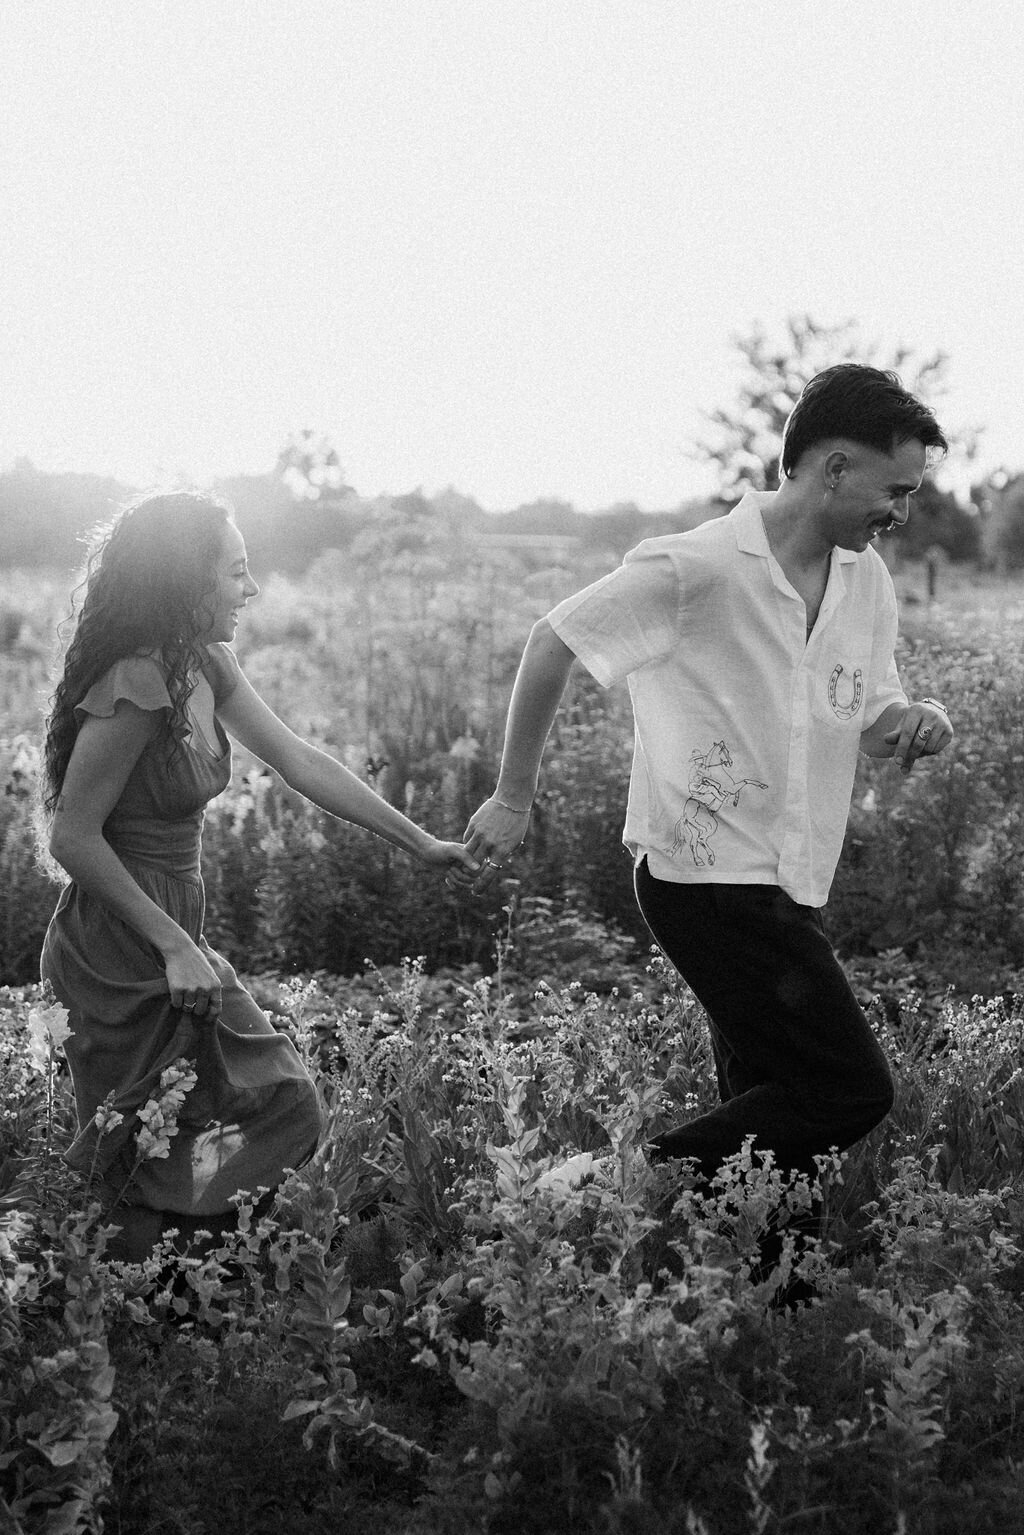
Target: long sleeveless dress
254	1111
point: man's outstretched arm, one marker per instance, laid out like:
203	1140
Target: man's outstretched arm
500	824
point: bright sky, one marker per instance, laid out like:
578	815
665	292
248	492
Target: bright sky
495	244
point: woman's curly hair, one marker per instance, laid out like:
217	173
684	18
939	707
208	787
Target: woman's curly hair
148	588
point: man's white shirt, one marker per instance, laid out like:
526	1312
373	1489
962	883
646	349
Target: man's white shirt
746	730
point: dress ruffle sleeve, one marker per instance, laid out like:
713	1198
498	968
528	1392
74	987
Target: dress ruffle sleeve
222	671
136	678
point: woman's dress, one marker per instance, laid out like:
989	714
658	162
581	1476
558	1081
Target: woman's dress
254	1111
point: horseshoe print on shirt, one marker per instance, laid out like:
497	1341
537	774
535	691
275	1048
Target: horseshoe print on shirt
845	696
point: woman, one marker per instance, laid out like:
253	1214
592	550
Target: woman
136	744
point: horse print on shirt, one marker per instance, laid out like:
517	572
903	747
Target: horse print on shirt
710	784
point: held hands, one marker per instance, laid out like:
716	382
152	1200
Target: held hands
461	868
493	834
923	732
193	983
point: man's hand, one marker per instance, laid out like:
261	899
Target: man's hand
924	731
461	869
499	826
493	834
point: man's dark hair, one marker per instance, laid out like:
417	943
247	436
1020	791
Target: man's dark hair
867	405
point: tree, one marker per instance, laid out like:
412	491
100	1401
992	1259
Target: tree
938	521
746	438
299	508
1004	510
45	518
311	469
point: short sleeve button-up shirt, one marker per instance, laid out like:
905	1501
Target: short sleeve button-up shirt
746	730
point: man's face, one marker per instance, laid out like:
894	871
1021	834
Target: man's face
871	493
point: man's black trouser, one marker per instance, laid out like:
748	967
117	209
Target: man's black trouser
798	1065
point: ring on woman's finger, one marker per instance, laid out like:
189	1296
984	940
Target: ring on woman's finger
925	733
188	1007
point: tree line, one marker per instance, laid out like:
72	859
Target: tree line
302	506
45	520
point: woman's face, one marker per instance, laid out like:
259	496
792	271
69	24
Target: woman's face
234	586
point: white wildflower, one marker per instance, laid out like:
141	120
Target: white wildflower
106	1117
18	1279
47	1031
160	1115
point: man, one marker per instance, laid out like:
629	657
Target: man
758	649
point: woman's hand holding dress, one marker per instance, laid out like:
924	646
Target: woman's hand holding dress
192	982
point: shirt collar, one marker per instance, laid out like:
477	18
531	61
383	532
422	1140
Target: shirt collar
751	537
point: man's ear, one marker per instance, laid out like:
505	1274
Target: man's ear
833	466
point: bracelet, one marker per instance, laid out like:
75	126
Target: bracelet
936	705
496	801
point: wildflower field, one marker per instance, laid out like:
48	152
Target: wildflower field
429	1330
425	1334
